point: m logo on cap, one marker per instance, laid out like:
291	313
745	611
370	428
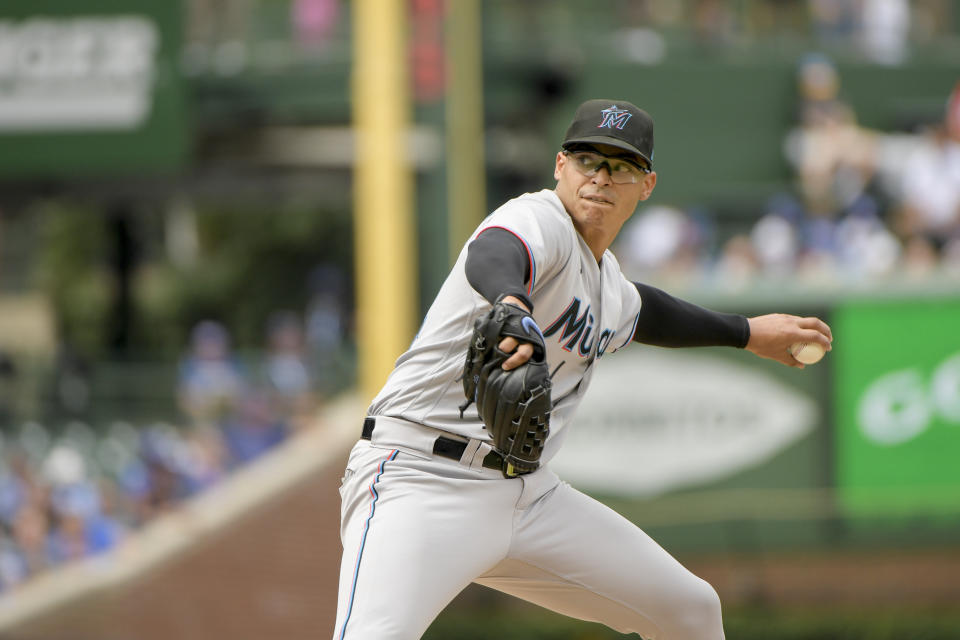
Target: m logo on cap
613	117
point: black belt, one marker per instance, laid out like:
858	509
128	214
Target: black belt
444	446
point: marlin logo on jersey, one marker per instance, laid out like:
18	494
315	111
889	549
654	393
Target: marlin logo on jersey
575	328
614	118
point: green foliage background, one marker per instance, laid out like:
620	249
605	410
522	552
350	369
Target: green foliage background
249	264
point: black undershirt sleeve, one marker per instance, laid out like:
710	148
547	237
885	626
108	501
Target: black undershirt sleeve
498	263
666	321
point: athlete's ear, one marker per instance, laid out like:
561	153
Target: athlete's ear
649	182
561	159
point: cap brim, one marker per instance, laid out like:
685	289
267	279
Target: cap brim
607	140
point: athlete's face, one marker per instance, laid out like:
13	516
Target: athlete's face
598	205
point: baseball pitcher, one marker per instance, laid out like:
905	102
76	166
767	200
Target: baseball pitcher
450	482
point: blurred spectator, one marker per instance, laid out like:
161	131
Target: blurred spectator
23	459
203	460
25	552
64	467
775	236
653	236
929	189
880	28
833	156
867	249
81	527
287	369
253	430
211	380
326	325
14	494
818	260
163	474
664	240
737	265
884	30
818	84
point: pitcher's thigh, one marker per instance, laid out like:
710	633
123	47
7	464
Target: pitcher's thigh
578	557
390	589
411	543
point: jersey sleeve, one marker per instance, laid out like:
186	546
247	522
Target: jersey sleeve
545	235
498	264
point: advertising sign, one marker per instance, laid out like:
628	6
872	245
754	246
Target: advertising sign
898	406
657	420
89	86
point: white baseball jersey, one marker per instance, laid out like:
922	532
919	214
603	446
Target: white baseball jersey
585	311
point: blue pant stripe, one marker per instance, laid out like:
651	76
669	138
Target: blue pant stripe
363	539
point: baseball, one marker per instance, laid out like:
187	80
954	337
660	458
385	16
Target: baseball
807	352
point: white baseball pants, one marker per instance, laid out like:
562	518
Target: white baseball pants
418	528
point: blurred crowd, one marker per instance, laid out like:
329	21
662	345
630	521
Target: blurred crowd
227	37
866	206
79	491
878	30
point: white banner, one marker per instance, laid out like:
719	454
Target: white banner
659	419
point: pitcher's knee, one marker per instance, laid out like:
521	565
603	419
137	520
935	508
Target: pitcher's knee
698	614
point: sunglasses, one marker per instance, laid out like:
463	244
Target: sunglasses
621	170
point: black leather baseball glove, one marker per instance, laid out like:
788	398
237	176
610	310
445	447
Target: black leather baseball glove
514	405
